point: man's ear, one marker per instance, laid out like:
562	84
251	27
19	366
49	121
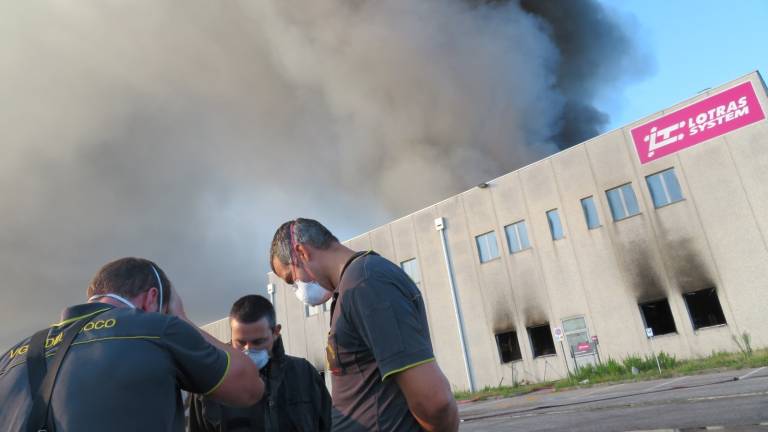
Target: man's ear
277	330
148	300
303	252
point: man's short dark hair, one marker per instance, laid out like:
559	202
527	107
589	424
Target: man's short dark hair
129	277
306	231
252	308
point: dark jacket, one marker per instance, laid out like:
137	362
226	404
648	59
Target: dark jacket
295	399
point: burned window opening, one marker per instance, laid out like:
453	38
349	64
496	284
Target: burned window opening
704	308
541	340
658	316
509	348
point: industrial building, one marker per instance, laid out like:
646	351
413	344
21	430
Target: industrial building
652	237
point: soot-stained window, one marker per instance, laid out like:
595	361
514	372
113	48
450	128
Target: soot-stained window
704	308
658	316
541	340
509	348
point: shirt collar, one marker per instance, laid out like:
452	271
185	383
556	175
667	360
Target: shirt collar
74	313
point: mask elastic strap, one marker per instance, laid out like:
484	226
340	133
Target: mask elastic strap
113	296
160	283
295	242
291	252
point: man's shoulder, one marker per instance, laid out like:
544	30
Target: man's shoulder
14	355
131	321
371	267
380	278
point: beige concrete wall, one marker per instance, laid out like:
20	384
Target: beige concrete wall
219	329
715	237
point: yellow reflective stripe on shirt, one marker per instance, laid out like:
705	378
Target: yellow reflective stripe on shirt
218	384
405	368
114	338
49	353
71	320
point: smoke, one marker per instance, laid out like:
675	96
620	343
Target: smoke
186	131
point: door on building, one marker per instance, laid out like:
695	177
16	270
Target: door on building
582	349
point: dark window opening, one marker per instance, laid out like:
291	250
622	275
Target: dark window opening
658	316
704	308
509	348
541	340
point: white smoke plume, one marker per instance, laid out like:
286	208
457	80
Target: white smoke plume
185	131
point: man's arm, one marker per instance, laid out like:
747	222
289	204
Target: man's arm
241	384
429	397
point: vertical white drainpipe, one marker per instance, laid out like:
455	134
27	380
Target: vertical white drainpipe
440	227
271	292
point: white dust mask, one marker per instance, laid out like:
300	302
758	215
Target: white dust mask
312	293
259	357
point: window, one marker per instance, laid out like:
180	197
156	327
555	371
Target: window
487	247
411	268
509	348
704	308
517	237
555	227
590	212
657	315
664	188
541	340
623	202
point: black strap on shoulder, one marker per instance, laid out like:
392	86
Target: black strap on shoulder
42	379
352	259
341	276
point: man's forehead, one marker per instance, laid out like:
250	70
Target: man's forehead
256	327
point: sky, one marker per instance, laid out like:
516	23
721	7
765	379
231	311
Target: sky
114	94
694	45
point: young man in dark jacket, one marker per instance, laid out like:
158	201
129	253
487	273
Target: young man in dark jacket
295	397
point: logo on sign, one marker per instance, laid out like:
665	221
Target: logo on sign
583	346
706	119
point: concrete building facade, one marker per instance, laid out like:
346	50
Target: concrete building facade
596	252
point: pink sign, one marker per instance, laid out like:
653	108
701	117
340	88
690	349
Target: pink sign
706	119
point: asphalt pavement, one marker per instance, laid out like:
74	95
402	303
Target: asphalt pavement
726	401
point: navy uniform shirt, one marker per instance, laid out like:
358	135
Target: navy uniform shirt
122	373
378	329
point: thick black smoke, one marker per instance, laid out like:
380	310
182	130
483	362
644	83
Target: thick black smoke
595	54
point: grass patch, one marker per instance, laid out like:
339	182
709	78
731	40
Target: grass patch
632	368
501	391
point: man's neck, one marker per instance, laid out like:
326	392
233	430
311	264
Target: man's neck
339	258
110	301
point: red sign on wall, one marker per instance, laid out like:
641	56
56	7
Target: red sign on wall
706	119
583	346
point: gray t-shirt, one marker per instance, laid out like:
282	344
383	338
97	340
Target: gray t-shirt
378	329
122	373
